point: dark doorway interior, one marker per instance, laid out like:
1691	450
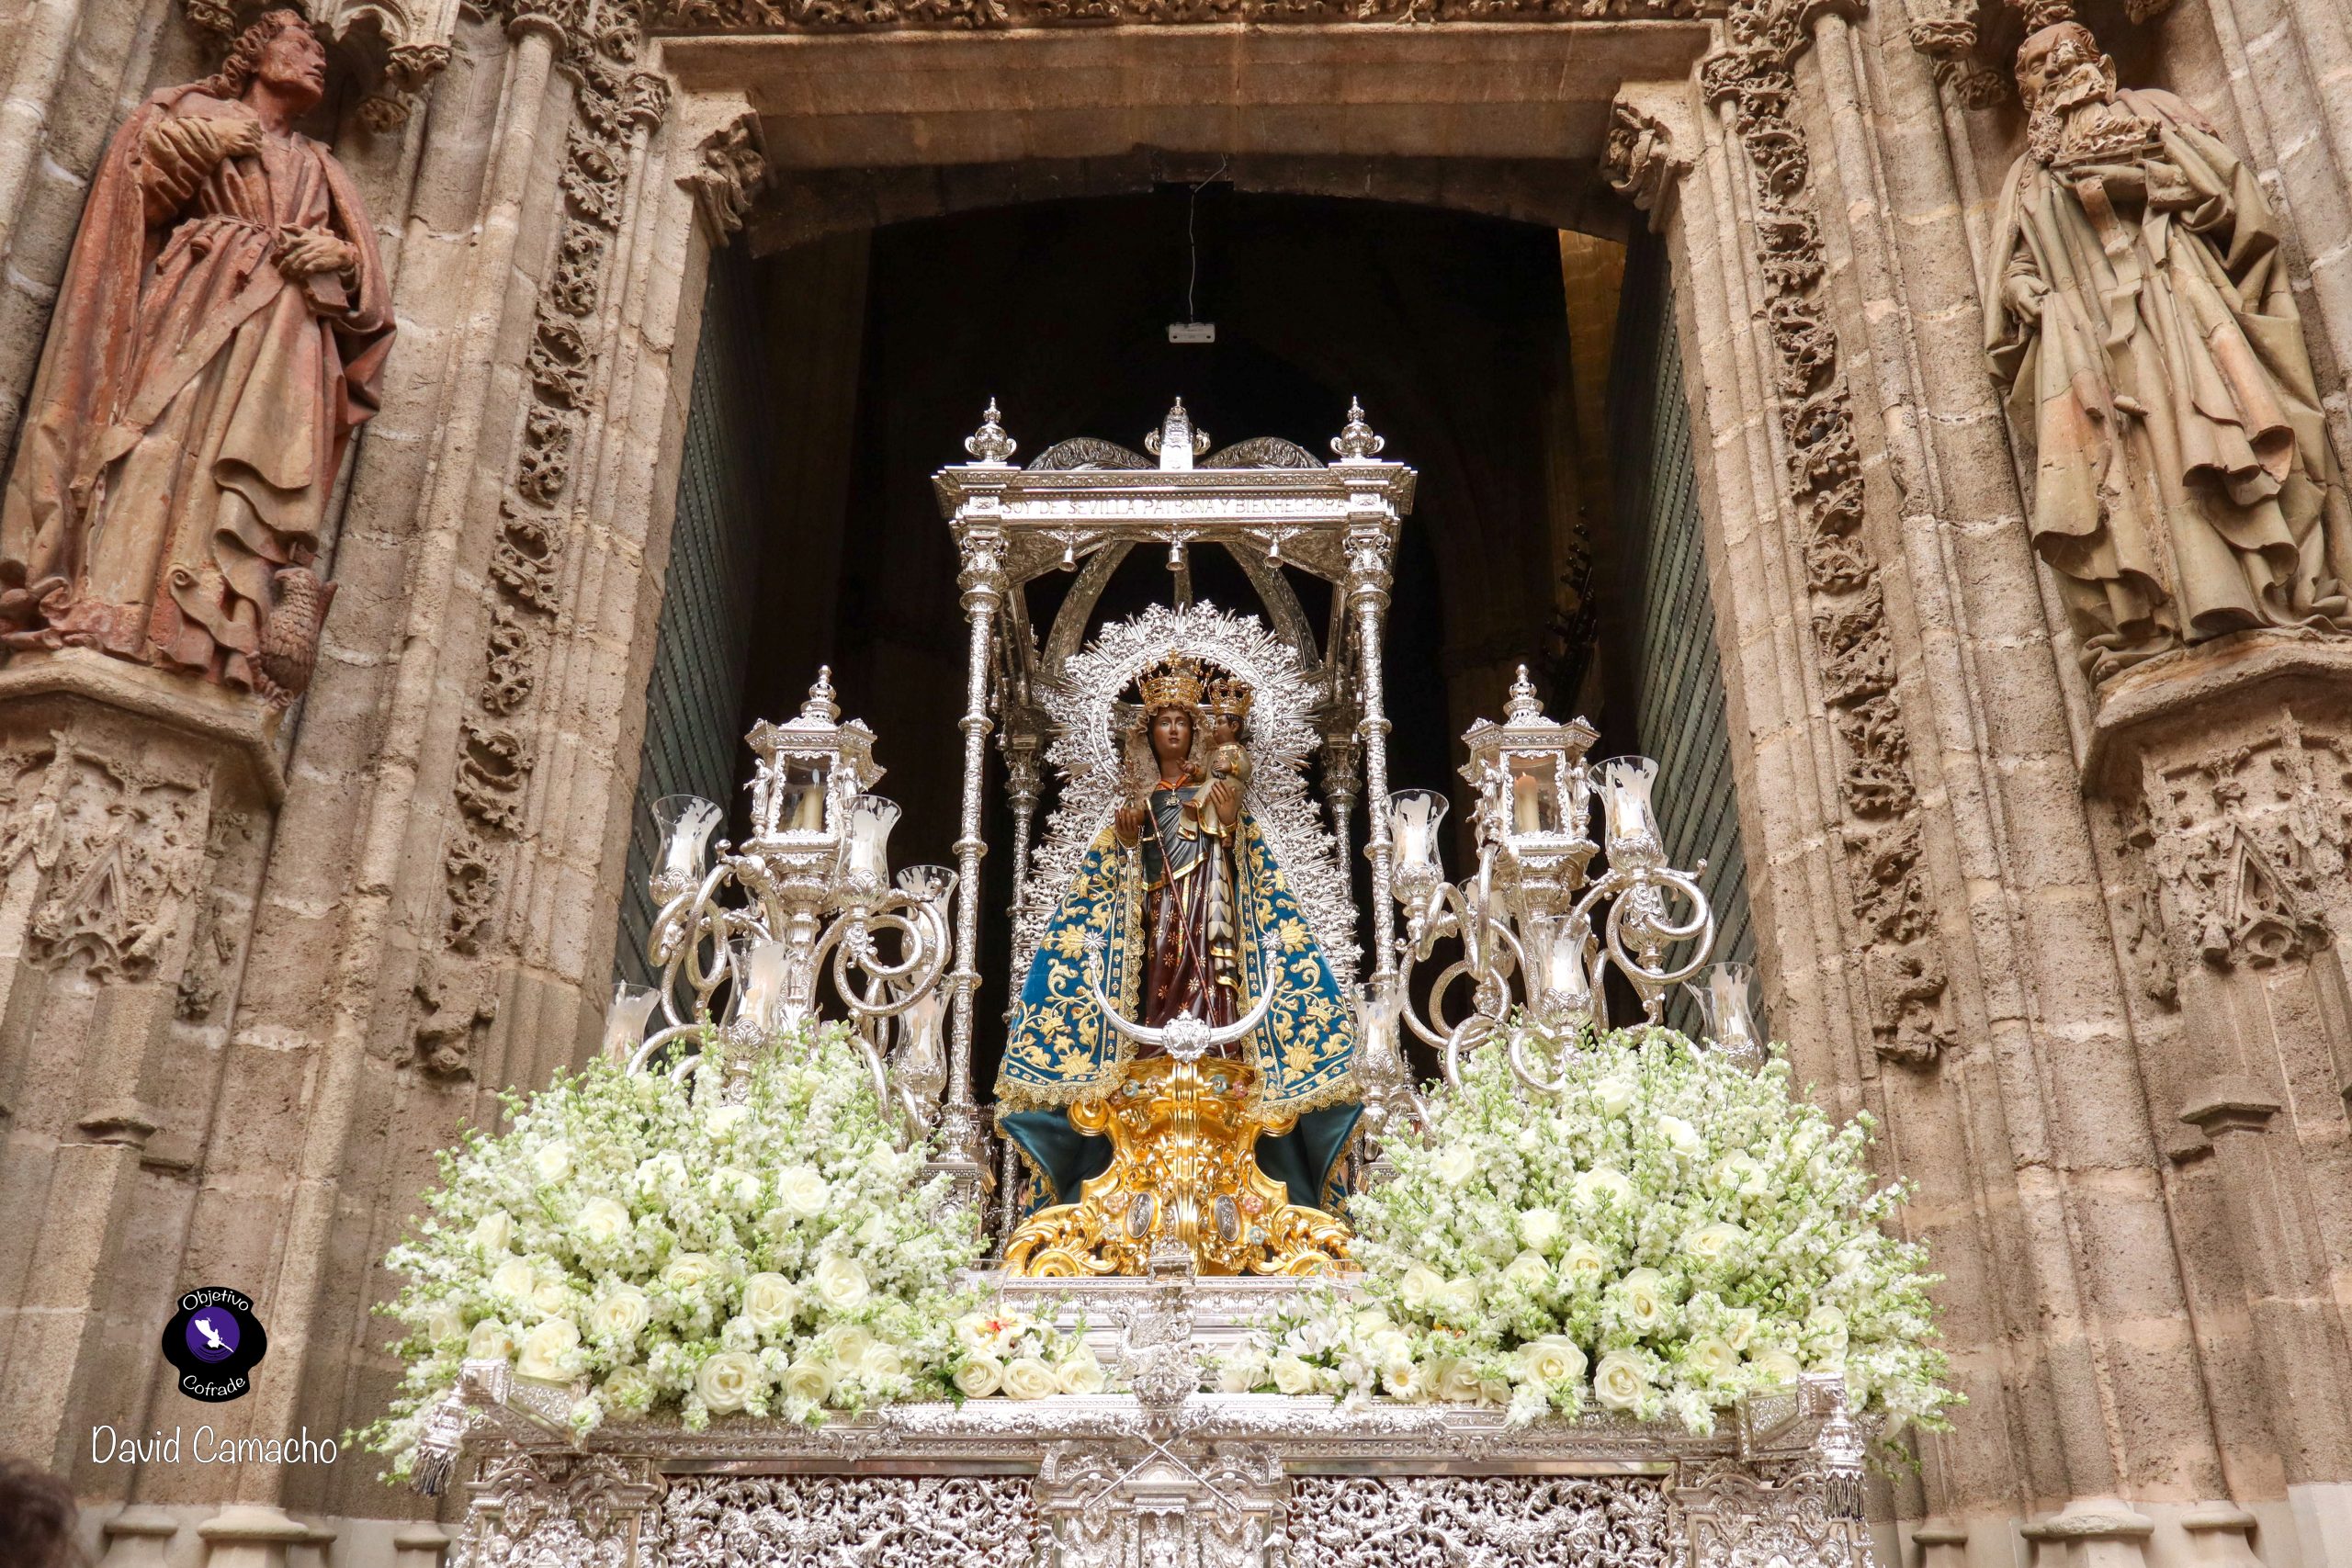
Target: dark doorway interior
837	377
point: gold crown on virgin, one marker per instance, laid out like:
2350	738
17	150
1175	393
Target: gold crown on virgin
1175	683
1229	696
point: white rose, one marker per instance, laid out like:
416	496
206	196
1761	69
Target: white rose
514	1279
978	1376
1528	1271
739	1187
1554	1359
1025	1377
1401	1379
1418	1285
849	1346
1458	1382
1538	1228
551	1299
1714	1243
1827	1325
1712	1358
626	1388
1739	1173
802	1192
808	1379
771	1301
723	1121
1618	1383
444	1322
494	1231
1080	1375
727	1381
1371	1320
490	1342
841	1283
550	1350
1644	1294
689	1270
1458	1302
619	1315
1581	1265
1390	1345
1775	1366
601	1222
1241	1374
1741	1326
1602	1184
1293	1375
882	1363
1682	1137
1615	1093
1454	1165
552	1161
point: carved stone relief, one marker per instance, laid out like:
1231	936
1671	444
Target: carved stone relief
1903	971
829	16
212	946
731	175
457	1007
1639	161
122	848
617	107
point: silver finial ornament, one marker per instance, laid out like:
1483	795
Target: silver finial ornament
821	706
1356	443
1176	443
989	444
1523	709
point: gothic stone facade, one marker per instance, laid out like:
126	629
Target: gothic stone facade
2071	927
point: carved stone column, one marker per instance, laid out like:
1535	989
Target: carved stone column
133	807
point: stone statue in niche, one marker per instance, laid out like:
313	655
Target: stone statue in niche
2139	310
218	337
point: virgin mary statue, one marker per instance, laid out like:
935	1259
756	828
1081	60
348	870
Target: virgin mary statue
1183	899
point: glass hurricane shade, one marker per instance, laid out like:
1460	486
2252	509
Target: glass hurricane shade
935	884
757	964
1556	955
1724	993
625	1021
871	818
1413	819
1625	795
684	822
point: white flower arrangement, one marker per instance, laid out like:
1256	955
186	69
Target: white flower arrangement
661	1247
1664	1237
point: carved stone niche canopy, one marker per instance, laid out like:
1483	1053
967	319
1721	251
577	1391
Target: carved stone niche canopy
399	46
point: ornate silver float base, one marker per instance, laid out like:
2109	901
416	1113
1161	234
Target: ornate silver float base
1216	1481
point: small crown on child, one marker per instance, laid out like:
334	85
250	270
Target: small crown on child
1229	696
1176	683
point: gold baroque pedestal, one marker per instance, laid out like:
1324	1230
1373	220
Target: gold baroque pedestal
1183	1168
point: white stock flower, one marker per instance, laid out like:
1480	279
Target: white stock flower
771	1301
1619	1381
514	1279
1025	1377
490	1342
601	1222
1293	1375
1539	1229
494	1231
1080	1375
841	1283
727	1381
552	1161
979	1376
619	1315
801	1192
550	1350
808	1379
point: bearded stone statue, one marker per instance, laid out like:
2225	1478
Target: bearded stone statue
2183	485
223	321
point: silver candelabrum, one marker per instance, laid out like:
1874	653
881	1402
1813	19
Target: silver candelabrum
1530	914
816	895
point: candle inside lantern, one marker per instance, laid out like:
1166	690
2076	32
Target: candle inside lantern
625	1021
1535	803
1413	817
871	818
800	806
684	822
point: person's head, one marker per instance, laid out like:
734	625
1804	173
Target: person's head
2062	66
37	1518
280	53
